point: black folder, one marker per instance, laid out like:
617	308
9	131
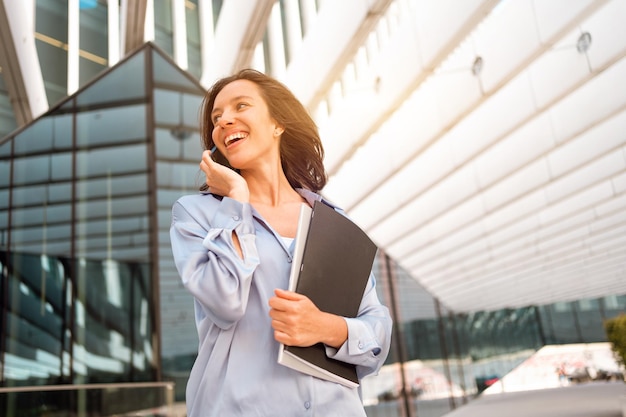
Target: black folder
332	263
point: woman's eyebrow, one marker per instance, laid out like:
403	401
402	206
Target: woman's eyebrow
241	97
234	99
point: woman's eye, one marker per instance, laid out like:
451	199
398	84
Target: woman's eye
216	119
241	106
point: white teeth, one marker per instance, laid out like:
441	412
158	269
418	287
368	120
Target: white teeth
230	139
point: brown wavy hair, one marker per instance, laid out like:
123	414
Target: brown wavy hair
301	150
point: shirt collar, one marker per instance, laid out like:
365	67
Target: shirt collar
311	197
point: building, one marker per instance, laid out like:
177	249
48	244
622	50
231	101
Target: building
493	187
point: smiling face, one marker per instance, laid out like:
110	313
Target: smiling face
242	127
300	154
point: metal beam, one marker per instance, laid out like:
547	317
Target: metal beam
240	27
19	60
340	30
135	19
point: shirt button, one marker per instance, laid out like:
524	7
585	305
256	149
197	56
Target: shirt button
235	218
360	345
307	405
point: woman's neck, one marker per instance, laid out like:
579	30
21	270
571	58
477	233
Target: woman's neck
271	190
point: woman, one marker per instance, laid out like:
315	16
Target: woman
233	245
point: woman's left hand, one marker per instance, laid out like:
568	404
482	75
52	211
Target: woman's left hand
222	180
298	322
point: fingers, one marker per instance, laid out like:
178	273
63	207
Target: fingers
281	337
285	309
292	301
212	171
294	318
280	304
206	156
288	334
288	301
206	161
282	320
288	295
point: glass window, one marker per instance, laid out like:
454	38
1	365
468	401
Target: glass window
588	305
163	26
5	149
111	161
54	59
4	204
194	56
5	166
36	138
61	131
31	170
100	236
51	19
168	107
186	177
35	321
589	315
179	112
93	40
167	145
143	326
51	43
117	125
102	343
123	83
562	307
611	302
167	74
113	339
89	68
102	187
191	109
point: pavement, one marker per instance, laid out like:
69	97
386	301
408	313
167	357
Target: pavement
592	399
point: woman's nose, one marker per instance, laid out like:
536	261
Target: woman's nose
225	120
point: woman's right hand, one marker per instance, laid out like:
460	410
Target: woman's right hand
223	180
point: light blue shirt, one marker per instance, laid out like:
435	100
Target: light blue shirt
236	371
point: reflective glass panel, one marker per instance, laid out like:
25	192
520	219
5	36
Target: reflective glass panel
51	43
194	56
165	72
36	265
114	333
123	83
124	124
93	41
163	26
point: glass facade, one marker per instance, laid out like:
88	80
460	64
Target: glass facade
84	218
444	359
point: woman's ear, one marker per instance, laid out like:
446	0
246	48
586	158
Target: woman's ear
278	131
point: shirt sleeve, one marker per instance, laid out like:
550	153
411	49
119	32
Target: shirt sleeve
369	335
207	260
